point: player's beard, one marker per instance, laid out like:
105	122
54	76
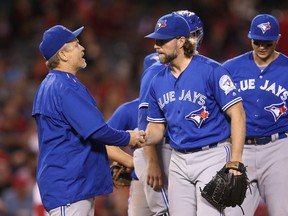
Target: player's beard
164	59
84	64
81	64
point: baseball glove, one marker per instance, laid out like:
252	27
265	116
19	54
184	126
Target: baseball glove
121	176
226	189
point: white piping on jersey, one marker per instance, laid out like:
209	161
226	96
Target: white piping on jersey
234	101
143	105
156	119
71	77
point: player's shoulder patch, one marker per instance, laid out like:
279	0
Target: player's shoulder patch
226	84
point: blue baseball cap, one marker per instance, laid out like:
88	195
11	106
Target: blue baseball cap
170	26
264	27
55	37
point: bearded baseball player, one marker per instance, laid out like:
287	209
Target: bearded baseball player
262	80
152	164
196	102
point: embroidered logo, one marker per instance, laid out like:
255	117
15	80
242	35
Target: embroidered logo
198	116
264	27
161	24
226	84
277	110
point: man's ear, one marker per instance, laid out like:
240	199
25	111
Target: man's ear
181	40
62	56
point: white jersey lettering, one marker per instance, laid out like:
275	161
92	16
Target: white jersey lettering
167	98
247	84
197	97
284	96
265	85
185	96
201	100
274	89
280	90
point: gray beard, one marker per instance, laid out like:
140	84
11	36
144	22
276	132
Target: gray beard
167	59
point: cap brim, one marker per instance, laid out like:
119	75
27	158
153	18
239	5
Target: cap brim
78	31
263	38
74	34
158	36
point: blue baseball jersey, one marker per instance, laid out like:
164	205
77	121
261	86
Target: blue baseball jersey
193	104
70	167
145	83
264	93
150	59
125	117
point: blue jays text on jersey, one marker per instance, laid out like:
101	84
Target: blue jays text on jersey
194	97
193	105
265	92
268	86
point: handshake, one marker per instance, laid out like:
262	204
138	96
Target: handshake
137	139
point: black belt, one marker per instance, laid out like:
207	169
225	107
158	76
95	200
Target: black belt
264	140
164	214
192	150
166	140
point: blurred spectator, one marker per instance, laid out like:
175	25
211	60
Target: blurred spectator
5	170
38	208
18	198
5	177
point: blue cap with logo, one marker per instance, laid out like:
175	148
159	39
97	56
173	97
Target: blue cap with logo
55	37
264	27
170	26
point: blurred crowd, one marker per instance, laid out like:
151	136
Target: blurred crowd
114	50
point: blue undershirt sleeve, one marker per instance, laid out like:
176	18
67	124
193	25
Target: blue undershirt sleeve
142	118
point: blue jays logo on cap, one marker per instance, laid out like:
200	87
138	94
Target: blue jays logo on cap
264	27
161	24
170	26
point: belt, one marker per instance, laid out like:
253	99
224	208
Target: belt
165	214
192	150
265	139
166	140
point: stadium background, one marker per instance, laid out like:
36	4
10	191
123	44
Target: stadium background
115	48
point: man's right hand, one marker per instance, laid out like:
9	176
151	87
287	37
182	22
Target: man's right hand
137	139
